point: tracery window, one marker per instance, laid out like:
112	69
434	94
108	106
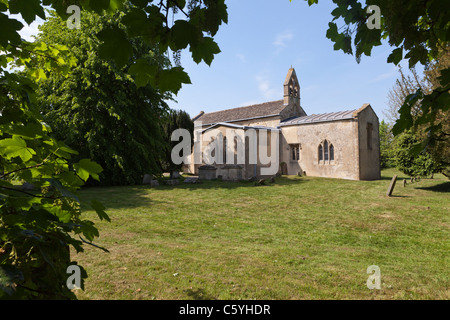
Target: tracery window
326	152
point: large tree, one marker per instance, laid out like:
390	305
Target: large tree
177	119
36	227
97	109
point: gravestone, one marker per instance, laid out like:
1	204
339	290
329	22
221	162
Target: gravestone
207	172
175	175
172	182
391	186
191	180
154	183
147	179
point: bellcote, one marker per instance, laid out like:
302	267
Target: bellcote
291	89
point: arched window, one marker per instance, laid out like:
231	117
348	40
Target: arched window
331	152
320	152
325	150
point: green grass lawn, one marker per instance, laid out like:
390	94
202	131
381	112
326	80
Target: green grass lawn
299	238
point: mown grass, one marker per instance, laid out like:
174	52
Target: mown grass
299	238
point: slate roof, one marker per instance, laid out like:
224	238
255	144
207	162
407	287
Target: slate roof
324	117
218	124
267	109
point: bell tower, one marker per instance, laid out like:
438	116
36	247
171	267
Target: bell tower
291	89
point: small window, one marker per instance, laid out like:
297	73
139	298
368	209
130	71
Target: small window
320	152
331	152
224	150
325	148
295	152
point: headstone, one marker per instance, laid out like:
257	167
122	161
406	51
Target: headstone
147	179
404	182
172	182
207	172
391	186
191	180
154	183
175	175
251	179
272	179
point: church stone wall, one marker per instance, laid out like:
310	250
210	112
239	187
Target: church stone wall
341	134
369	145
271	122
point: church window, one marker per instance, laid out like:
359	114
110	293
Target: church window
224	150
295	152
326	152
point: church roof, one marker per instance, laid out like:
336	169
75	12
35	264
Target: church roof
323	117
235	126
267	109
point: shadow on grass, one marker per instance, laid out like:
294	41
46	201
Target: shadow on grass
221	184
397	196
124	197
442	187
199	294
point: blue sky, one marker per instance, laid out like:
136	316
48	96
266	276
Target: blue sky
261	41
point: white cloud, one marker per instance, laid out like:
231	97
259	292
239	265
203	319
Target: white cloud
266	89
281	40
241	57
387	75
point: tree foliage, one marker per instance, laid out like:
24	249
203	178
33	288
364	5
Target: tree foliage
97	109
177	119
37	227
386	145
439	147
418	31
421	165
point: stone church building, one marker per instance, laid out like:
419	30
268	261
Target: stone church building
343	144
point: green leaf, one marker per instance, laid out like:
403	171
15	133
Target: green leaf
172	79
9	32
9	276
64	192
99	5
16	147
396	56
136	22
88	230
29	9
183	33
204	50
144	73
62	214
100	209
86	168
115	46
